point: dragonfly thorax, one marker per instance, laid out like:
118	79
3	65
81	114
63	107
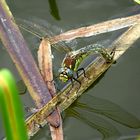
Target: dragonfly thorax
65	74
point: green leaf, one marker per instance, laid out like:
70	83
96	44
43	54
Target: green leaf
11	108
137	1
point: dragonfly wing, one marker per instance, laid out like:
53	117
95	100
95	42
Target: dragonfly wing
42	31
31	27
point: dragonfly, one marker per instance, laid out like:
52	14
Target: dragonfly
73	58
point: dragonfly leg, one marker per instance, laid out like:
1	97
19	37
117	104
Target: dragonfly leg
77	80
80	69
113	53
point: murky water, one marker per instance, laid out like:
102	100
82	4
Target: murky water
110	108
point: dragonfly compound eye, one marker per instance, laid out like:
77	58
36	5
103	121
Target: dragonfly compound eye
64	78
69	73
65	74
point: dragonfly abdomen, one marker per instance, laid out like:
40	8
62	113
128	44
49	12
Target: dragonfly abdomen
73	59
108	57
95	49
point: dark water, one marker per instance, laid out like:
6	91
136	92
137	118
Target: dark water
110	108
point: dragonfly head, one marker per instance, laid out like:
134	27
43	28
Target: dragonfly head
65	74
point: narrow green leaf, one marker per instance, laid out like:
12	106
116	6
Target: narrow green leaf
11	108
137	1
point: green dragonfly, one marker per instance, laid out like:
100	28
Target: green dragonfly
72	59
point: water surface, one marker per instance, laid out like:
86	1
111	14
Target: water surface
110	108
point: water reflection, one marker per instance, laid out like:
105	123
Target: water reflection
93	111
54	9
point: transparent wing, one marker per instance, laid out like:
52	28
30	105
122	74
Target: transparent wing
41	31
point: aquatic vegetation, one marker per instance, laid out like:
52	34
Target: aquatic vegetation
11	108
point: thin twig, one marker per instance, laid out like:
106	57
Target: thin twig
22	58
45	65
96	29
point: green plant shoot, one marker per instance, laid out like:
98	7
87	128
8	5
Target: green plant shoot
137	1
11	108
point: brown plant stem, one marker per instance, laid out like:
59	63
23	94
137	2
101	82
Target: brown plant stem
99	28
22	58
45	65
